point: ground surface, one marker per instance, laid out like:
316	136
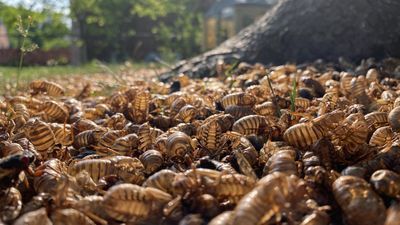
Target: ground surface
90	72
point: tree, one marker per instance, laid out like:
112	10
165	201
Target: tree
177	29
300	31
48	29
115	29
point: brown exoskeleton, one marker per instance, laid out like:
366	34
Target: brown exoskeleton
359	203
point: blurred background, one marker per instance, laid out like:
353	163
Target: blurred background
73	32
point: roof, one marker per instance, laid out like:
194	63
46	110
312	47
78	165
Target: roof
223	8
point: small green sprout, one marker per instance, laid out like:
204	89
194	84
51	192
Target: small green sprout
24	48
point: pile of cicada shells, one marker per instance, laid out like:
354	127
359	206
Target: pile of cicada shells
306	145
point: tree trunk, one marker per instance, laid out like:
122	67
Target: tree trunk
305	30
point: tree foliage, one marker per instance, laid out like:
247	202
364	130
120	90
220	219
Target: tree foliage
48	29
113	29
182	35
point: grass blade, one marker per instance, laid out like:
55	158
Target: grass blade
278	109
293	96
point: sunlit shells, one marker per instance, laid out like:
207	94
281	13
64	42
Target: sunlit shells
315	143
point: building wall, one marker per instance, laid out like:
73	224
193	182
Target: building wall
209	33
4	42
226	30
217	30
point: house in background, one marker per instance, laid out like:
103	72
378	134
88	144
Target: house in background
225	18
4	42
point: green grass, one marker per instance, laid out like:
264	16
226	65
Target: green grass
36	72
8	74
